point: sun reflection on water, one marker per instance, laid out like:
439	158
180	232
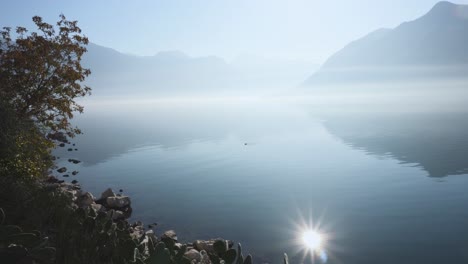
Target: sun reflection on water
312	240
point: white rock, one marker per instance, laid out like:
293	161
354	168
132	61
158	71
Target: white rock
118	201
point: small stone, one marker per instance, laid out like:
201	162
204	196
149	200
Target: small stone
76	149
62	170
73	144
74	182
62	145
107	193
193	254
118	202
120	190
70	149
66	175
74	173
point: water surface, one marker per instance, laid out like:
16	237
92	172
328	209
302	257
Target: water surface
385	186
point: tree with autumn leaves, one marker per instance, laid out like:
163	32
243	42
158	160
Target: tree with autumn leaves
41	77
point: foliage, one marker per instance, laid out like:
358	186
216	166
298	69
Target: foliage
17	246
40	78
24	151
85	236
78	235
41	73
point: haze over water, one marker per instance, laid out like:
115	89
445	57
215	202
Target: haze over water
386	183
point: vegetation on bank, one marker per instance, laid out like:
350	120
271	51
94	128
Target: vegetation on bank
41	76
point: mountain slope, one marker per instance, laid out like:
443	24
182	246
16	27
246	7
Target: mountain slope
432	44
175	73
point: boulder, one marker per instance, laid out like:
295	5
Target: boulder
62	170
107	193
118	201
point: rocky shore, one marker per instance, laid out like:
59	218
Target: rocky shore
118	208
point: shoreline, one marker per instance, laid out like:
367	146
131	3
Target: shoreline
118	208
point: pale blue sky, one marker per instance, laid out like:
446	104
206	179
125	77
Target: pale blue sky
298	29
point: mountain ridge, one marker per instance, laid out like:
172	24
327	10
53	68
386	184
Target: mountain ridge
436	39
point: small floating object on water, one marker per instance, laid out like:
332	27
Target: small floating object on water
245	144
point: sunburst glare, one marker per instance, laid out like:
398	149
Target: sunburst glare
312	239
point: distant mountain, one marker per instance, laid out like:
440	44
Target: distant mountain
432	46
174	72
114	73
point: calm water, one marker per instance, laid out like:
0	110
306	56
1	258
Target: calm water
384	186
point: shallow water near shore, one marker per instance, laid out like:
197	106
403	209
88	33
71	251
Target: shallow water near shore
384	186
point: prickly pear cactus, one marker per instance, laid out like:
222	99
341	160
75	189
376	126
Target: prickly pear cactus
161	255
17	246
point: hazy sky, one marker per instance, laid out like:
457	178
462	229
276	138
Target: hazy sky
298	29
